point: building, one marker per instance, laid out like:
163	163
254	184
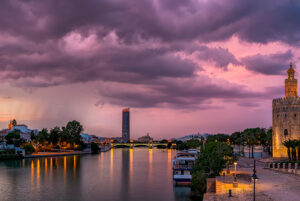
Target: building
286	116
25	132
126	124
145	138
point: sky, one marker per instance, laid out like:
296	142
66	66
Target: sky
182	66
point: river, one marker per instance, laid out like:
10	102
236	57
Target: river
138	174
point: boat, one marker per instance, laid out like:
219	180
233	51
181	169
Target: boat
183	164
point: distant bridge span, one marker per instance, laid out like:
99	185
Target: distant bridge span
131	145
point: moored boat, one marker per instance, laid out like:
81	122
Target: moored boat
183	164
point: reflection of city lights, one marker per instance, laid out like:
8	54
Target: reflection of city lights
74	161
65	163
32	172
38	174
111	162
150	164
130	162
169	161
51	164
46	166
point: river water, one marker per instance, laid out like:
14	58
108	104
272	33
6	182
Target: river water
138	174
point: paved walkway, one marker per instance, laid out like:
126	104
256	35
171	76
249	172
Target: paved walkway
278	186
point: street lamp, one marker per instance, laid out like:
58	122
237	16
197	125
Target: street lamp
235	184
255	178
235	163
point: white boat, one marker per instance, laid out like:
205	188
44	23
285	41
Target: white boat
183	164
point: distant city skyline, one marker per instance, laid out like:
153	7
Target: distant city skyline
198	66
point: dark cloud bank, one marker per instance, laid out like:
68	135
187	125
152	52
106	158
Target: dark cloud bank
140	43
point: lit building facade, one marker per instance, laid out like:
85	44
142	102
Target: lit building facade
145	138
286	116
126	124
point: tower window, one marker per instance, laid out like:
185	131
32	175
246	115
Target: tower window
295	115
277	115
286	132
285	115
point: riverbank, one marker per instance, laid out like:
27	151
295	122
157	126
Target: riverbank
272	185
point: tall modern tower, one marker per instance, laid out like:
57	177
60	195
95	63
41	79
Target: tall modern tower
126	124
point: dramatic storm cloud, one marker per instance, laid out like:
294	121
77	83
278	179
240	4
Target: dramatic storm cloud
272	64
83	59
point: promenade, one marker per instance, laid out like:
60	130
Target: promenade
271	186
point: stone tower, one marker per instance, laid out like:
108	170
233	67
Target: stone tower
291	83
286	116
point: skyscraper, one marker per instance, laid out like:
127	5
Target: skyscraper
126	125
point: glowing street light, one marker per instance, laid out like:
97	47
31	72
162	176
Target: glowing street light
255	179
235	184
235	163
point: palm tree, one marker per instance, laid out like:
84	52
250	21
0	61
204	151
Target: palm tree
249	138
293	146
298	147
288	145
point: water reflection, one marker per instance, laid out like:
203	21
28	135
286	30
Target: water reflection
126	161
150	166
120	174
112	164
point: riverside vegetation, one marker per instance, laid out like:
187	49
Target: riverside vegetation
216	154
67	137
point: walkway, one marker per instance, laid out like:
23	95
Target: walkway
278	186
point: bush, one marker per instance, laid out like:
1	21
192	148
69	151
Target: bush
161	147
198	185
95	148
29	149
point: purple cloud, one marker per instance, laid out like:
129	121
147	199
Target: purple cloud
272	64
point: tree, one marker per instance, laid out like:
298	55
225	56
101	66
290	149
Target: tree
32	136
218	138
198	185
192	144
298	147
269	139
235	138
54	135
29	148
73	130
249	138
288	145
294	144
13	137
43	136
163	141
95	148
213	158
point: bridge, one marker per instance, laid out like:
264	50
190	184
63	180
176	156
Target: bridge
131	145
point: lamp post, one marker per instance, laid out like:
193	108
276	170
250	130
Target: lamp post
235	184
235	163
255	178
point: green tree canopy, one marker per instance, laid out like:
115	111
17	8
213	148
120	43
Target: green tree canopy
13	137
213	158
73	130
43	136
54	135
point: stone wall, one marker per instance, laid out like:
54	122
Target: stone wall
286	123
